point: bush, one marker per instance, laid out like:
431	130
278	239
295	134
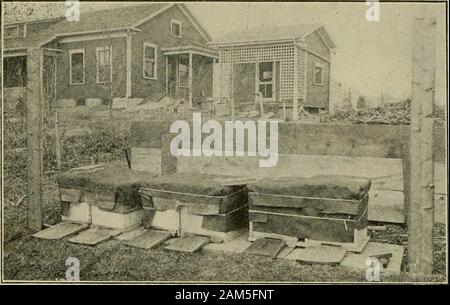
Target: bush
103	142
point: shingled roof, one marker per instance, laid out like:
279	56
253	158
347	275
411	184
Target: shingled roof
109	19
275	33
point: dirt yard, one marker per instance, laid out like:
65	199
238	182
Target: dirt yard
26	258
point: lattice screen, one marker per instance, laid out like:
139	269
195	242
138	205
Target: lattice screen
301	73
284	53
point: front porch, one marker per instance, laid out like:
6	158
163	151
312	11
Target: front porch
189	73
15	62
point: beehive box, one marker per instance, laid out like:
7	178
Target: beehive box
324	209
102	196
195	203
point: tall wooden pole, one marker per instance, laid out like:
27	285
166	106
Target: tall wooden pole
421	190
57	141
190	80
34	96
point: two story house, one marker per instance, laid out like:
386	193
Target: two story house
121	56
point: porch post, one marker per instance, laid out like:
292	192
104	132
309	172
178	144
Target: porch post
167	73
34	95
128	84
190	79
332	91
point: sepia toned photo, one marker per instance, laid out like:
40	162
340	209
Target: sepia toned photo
224	143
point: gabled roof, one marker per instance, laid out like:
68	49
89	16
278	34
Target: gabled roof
103	20
278	33
122	17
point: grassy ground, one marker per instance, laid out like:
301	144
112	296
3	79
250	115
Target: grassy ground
26	258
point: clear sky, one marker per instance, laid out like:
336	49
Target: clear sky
372	57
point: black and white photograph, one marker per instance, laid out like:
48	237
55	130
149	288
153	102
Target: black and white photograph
224	143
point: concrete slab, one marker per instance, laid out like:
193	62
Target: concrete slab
187	243
130	234
61	230
149	239
94	236
285	252
266	247
237	245
328	255
358	261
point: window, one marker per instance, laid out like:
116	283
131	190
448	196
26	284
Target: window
104	65
150	58
175	28
266	79
76	67
12	31
183	71
15	71
318	74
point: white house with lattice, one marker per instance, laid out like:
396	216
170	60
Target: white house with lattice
288	67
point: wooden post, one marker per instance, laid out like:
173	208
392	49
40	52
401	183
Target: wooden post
57	141
190	80
34	137
261	104
231	86
168	161
406	167
128	72
421	209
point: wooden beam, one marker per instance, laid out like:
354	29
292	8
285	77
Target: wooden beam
367	141
34	137
168	161
190	80
128	73
427	197
420	229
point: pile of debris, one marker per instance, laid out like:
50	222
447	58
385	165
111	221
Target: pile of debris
387	114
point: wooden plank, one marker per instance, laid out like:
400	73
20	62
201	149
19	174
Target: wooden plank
317	229
324	205
164	204
358	260
149	239
129	235
94	236
376	141
327	255
420	245
233	221
236	245
386	206
61	230
266	247
34	123
427	197
188	243
147	217
232	181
